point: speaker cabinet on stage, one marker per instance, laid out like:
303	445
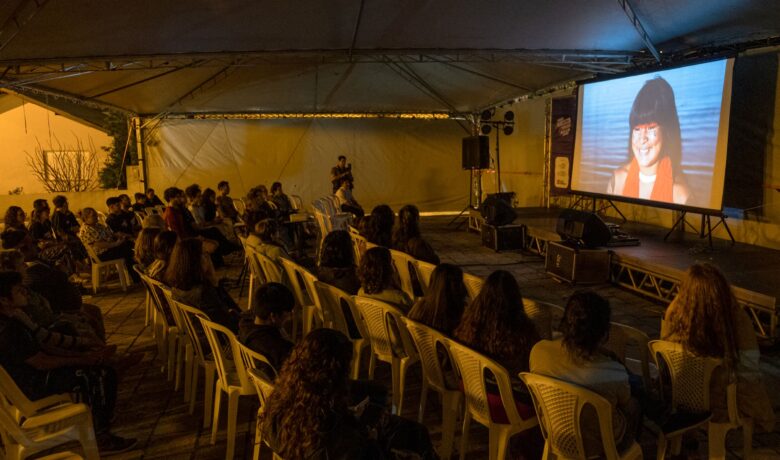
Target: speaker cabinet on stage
505	237
585	228
576	265
476	152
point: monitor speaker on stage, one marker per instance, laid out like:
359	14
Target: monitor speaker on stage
476	152
583	228
497	210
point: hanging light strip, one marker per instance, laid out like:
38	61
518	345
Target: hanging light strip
310	115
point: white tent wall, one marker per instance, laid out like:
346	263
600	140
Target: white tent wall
395	161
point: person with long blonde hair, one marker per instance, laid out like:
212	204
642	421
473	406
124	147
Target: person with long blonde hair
707	320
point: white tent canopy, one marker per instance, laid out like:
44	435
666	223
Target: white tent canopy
149	57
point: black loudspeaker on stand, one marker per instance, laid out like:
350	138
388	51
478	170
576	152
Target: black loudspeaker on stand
476	152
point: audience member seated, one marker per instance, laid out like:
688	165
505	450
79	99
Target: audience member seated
377	279
181	221
308	415
576	358
225	204
264	241
190	276
63	296
347	201
258	207
282	201
107	245
379	229
262	329
707	320
64	222
144	246
140	202
14	219
40	373
337	262
125	203
154	221
442	308
406	236
152	200
56	252
118	220
164	243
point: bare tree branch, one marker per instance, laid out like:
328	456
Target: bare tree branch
63	168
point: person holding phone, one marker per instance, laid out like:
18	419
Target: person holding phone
342	171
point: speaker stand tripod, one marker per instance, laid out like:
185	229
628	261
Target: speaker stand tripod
475	196
706	223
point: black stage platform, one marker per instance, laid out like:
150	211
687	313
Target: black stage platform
655	266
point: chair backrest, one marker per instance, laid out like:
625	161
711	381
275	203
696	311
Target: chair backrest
254	266
263	386
240	206
559	407
271	270
194	329
378	317
296	202
690	374
473	284
93	257
101	217
424	272
335	305
358	244
471	366
176	313
621	338
404	267
11	393
429	343
226	348
541	313
253	360
297	284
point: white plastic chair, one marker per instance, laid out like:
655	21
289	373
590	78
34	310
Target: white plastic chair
202	357
233	379
622	336
240	206
30	427
295	277
404	265
97	265
271	270
690	377
430	343
185	360
264	388
335	305
166	332
390	343
256	275
473	284
559	406
358	244
424	272
472	366
541	313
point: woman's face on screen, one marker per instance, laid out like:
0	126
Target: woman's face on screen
646	143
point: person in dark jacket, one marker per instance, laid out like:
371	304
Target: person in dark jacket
261	330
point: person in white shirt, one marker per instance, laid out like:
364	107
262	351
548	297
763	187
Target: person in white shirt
347	200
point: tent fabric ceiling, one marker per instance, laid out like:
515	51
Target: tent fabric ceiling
150	57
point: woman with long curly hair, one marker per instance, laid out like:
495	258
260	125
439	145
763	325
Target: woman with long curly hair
406	236
14	219
144	246
443	306
377	279
496	324
308	414
707	320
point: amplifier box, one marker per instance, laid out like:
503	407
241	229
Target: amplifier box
575	265
505	237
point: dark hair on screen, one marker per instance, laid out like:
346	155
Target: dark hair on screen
655	103
376	270
336	250
585	324
9	279
184	269
272	298
495	323
164	243
443	305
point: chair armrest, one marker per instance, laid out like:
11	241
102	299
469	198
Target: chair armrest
56	415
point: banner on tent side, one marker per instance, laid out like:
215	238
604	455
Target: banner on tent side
563	122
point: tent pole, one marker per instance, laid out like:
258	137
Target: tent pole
139	147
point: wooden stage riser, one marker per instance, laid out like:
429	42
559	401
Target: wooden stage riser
662	285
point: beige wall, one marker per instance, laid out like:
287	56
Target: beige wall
23	126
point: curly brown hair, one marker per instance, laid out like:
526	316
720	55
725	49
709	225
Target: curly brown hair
376	271
12	217
496	324
703	315
311	387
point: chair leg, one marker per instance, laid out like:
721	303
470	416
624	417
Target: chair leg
171	355
403	367
449	403
250	293
357	354
716	439
661	451
148	310
215	415
371	366
186	365
503	437
193	373
396	378
95	278
208	394
747	438
423	400
231	423
87	439
258	438
121	272
464	438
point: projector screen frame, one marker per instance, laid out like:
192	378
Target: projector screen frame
724	132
